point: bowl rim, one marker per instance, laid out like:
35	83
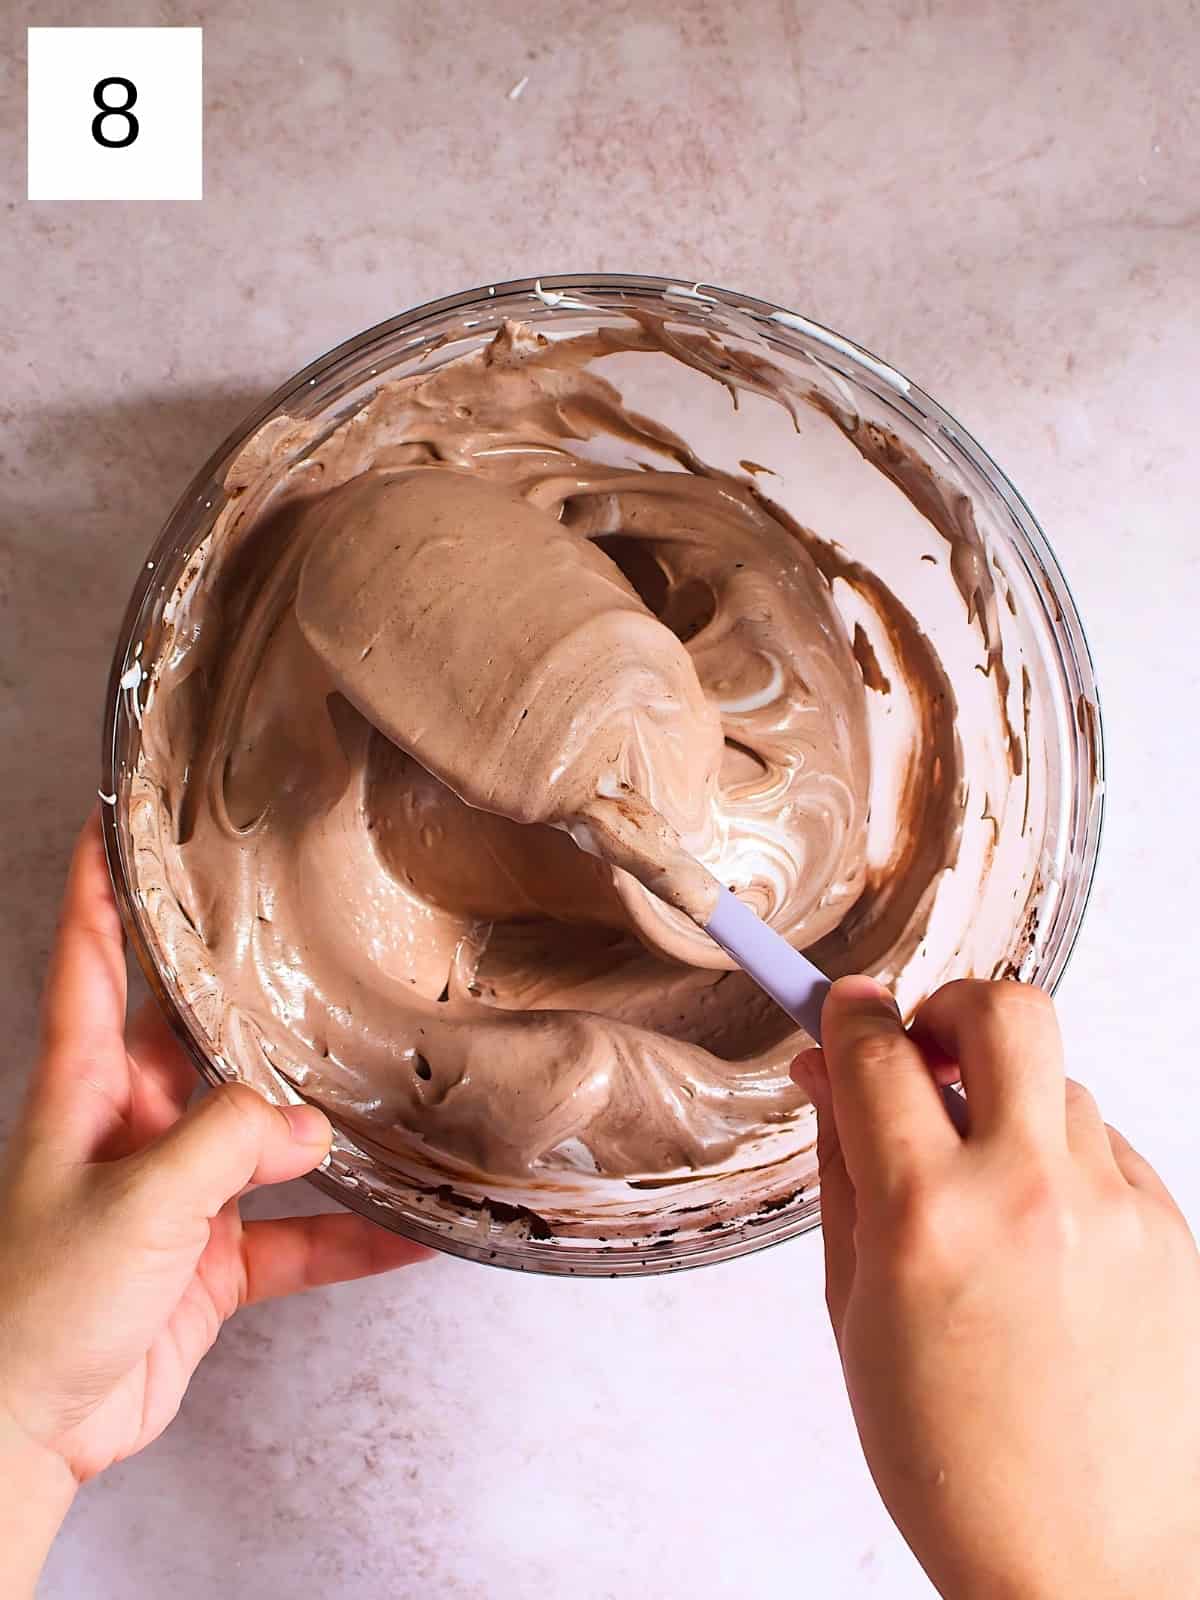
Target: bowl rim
780	326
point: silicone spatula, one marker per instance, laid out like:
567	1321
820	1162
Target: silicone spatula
791	979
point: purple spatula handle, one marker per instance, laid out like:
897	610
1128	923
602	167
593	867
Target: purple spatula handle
789	978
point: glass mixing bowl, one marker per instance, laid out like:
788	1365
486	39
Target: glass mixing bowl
1024	926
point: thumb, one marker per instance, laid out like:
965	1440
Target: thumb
232	1139
838	1210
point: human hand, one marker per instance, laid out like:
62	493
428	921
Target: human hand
122	1250
1018	1312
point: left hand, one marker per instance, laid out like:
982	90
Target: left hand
122	1250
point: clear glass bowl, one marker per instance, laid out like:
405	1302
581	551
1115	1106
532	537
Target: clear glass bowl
710	1217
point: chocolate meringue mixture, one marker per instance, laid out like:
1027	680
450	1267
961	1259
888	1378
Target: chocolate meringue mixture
451	572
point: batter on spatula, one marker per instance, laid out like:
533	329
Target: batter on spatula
516	662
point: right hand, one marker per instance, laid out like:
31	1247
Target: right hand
1018	1312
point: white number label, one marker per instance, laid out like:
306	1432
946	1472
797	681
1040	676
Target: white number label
115	114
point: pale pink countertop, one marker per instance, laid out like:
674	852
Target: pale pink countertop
1003	201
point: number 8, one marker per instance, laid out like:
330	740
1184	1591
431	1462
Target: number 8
114	111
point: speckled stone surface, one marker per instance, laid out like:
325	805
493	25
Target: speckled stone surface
1000	199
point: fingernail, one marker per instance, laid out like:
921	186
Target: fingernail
800	1069
860	988
808	1073
308	1125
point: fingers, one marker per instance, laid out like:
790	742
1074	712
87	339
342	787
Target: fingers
231	1139
837	1192
295	1253
81	1088
1005	1039
84	1000
164	1076
1136	1170
890	1117
1106	1150
1087	1137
